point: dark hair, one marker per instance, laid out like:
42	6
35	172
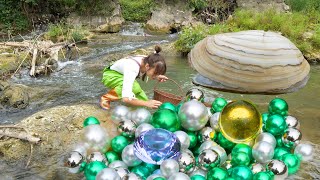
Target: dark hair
157	61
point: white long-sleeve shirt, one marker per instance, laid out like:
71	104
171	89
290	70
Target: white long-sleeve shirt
130	68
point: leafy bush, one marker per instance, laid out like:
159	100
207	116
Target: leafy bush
303	5
137	10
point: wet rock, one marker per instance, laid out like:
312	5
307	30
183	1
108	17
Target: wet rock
169	20
60	129
15	96
249	62
103	24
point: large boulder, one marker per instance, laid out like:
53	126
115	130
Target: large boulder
249	62
103	24
59	129
260	5
169	20
15	96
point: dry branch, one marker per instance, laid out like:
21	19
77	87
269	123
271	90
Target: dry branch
11	131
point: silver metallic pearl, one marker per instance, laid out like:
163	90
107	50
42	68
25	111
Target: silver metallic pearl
195	94
214	121
305	151
186	162
227	165
292	122
208	159
140	116
108	174
97	156
291	137
153	176
207	145
169	167
179	176
222	153
122	171
118	164
193	115
96	136
131	176
143	127
206	133
262	152
184	139
267	137
119	113
257	167
209	112
73	159
127	128
81	148
278	168
129	157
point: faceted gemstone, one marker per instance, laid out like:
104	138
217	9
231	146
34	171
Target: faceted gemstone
157	145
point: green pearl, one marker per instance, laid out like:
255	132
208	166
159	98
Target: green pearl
141	171
292	161
197	177
240	158
159	178
90	120
217	173
112	156
218	104
166	119
241	172
224	142
278	106
276	125
264	117
92	169
242	148
280	151
118	143
279	141
82	166
168	105
230	178
262	176
178	107
193	139
151	167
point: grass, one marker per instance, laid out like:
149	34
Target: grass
292	25
61	32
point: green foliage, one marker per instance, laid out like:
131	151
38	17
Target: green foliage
11	16
316	37
292	25
198	4
137	10
304	5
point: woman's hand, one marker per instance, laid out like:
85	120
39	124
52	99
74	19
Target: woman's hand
154	104
162	78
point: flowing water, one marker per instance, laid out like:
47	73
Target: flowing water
79	82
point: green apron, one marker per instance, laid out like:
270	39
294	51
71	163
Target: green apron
114	80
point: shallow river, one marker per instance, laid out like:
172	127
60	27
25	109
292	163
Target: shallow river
79	82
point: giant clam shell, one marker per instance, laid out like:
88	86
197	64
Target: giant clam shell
249	62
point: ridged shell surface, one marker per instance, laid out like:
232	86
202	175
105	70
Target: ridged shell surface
249	62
